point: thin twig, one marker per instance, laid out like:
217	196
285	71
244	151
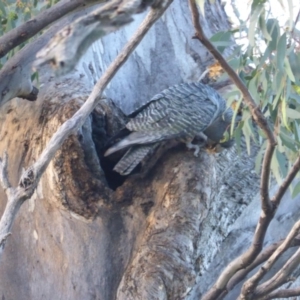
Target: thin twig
250	285
247	257
265	219
295	23
280	278
25	31
255	110
284	293
262	257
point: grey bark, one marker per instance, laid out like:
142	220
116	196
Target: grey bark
166	236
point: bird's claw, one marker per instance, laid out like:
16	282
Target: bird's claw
196	147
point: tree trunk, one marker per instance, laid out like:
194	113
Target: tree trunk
154	237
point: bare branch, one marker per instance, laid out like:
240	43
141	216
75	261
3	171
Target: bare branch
247	257
265	179
68	45
263	256
281	277
15	75
255	110
15	198
251	283
3	172
72	125
25	31
29	180
284	293
295	23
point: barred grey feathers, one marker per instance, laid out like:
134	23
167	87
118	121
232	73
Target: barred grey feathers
181	112
132	158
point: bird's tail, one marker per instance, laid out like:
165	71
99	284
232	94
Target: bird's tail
132	158
140	138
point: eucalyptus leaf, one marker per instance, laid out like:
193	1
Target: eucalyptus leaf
282	163
257	8
274	31
288	141
221	40
263	27
238	137
281	51
275	169
296	190
288	69
292	113
284	110
258	160
3	10
201	4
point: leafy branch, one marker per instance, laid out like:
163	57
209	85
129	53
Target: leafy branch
268	206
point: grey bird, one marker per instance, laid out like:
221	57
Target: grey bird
184	112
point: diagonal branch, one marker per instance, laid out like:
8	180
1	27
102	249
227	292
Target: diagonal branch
255	110
30	178
248	257
68	45
15	75
25	31
73	124
250	285
262	257
284	293
281	277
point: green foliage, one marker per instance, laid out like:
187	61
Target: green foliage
268	61
201	4
16	12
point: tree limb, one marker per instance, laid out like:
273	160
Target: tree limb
281	277
255	110
263	256
15	75
30	178
68	45
25	31
284	293
250	285
247	257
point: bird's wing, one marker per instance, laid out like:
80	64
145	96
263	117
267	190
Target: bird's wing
181	111
181	107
